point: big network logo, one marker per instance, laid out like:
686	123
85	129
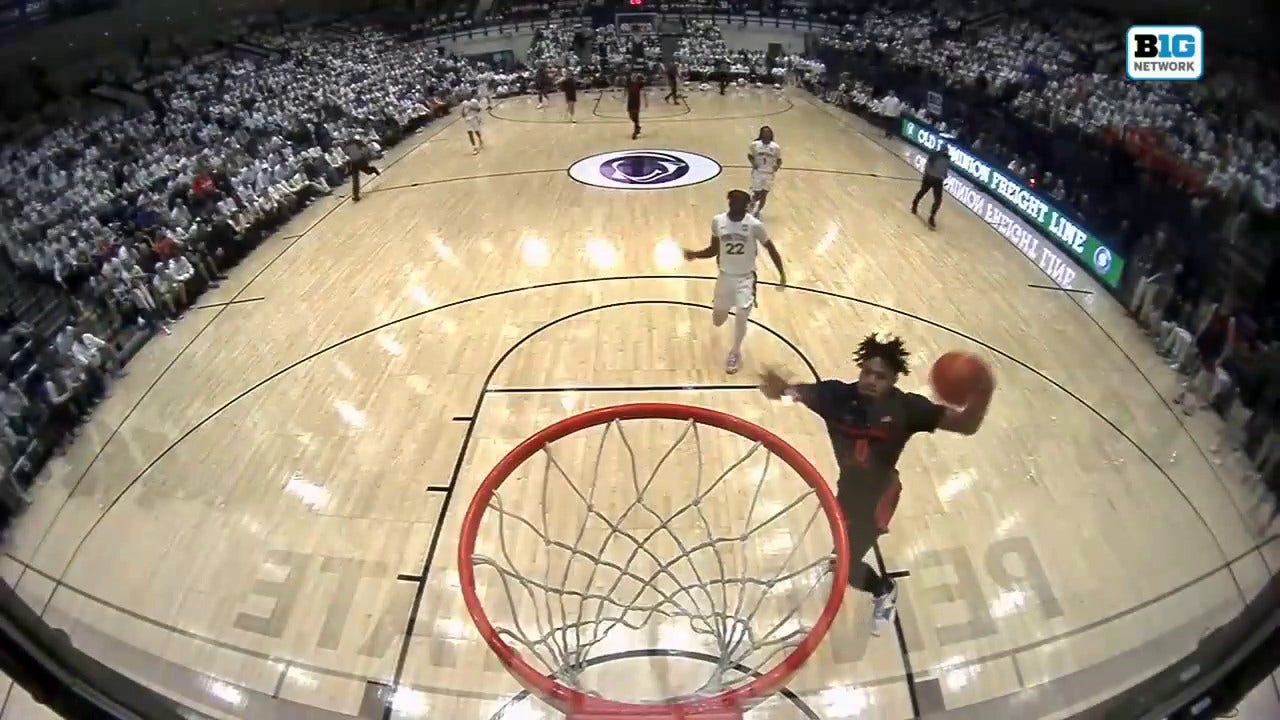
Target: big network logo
1164	52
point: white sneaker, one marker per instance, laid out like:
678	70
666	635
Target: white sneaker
474	150
733	363
884	608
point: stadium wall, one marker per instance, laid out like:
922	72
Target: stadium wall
1242	25
73	49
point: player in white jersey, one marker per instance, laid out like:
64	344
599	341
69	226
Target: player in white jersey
736	237
471	115
765	157
484	89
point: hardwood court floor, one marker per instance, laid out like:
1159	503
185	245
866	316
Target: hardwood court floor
246	523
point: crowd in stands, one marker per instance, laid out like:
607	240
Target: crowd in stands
700	51
1064	80
1181	178
127	216
703	53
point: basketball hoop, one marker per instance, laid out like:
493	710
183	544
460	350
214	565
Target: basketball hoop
606	580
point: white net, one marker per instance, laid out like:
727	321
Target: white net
690	543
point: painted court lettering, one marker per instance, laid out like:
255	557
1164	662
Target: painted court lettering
282	593
943	603
349	572
963	589
390	623
1026	575
304	571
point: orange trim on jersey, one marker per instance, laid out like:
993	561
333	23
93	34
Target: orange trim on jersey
888	504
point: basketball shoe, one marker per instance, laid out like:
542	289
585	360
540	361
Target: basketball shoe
884	607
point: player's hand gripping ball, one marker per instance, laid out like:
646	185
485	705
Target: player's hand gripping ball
956	376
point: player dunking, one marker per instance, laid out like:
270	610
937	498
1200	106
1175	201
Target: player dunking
635	96
765	157
471	115
735	240
569	86
870	422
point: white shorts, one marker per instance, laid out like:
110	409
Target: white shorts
473	123
761	181
735	291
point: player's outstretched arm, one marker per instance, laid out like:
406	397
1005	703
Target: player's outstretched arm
774	386
967	420
710	251
776	257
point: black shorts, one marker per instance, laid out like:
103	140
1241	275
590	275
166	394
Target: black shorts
633	112
931	183
869	504
571	95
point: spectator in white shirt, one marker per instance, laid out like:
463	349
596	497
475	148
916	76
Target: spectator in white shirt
180	272
166	293
891	109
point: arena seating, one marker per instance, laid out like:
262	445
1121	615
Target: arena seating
1183	178
114	223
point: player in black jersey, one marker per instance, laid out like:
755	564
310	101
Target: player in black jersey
870	422
673	81
542	81
569	86
635	97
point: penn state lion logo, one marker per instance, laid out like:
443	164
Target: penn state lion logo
644	169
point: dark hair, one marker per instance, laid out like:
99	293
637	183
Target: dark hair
744	195
890	350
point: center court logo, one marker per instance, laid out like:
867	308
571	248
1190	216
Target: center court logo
644	169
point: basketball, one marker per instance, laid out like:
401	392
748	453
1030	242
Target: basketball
955	374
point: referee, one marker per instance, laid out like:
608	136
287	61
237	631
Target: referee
359	155
673	79
935	171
